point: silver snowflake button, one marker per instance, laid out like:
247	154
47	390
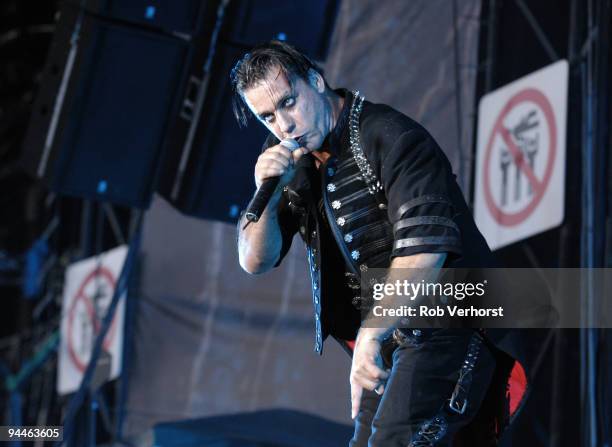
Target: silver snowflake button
341	221
331	187
348	238
336	204
355	254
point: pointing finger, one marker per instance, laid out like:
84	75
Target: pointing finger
356	392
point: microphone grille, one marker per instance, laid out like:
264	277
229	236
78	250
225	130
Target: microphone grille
290	144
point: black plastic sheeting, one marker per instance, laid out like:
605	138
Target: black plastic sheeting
210	339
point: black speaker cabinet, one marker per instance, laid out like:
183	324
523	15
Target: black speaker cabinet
172	16
208	170
108	94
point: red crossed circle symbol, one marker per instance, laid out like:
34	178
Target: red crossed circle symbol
538	186
87	302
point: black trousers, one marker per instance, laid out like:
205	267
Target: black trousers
439	381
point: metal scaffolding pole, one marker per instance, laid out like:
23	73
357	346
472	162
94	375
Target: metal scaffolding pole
595	110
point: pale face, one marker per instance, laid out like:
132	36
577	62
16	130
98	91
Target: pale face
299	111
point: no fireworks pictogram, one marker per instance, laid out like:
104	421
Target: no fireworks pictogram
519	187
89	285
85	312
520	157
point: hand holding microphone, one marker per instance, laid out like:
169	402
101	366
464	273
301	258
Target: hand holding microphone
275	165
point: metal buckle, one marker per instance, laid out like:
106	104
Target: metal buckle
454	405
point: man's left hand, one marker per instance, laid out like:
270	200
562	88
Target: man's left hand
367	368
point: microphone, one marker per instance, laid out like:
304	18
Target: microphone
259	202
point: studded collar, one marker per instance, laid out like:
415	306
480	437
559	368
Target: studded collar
333	141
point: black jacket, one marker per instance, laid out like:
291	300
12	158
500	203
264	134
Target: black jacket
419	209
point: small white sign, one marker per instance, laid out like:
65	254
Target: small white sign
520	164
88	290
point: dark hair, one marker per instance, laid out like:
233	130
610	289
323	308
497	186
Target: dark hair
253	67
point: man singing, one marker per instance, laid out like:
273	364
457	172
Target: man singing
367	188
